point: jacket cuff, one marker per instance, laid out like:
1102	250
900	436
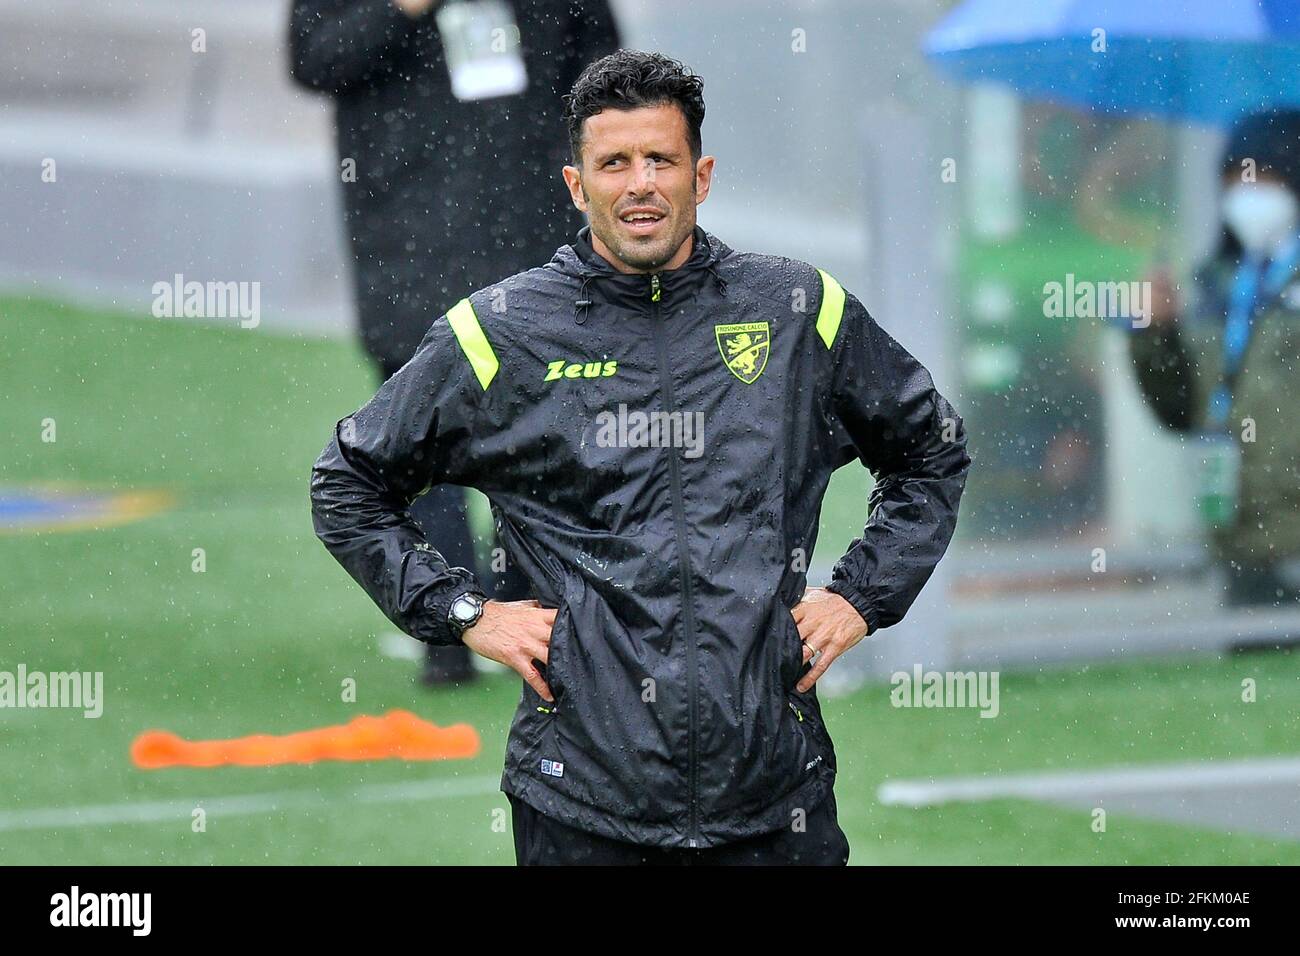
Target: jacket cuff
437	604
860	602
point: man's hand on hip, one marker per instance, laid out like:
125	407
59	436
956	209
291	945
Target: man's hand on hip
829	624
413	8
515	633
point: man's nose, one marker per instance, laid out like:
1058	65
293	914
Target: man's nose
643	178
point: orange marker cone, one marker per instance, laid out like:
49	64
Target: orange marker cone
399	733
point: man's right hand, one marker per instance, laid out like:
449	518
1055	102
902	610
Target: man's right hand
413	8
515	633
1164	299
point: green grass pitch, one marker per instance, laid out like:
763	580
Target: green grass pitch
229	422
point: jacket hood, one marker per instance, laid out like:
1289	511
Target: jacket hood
601	282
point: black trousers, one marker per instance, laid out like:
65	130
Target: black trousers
543	841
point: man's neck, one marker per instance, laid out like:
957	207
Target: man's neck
676	262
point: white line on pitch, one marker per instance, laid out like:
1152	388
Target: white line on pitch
1068	783
105	814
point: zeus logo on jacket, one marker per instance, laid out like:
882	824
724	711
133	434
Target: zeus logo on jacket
562	369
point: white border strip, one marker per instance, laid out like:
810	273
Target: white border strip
1055	785
108	814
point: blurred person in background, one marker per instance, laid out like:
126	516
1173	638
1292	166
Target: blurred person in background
1223	365
446	116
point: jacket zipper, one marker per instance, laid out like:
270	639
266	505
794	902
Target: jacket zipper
684	570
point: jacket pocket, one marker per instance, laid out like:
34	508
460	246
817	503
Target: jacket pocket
542	713
807	721
554	670
792	662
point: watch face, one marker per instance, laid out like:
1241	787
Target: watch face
464	609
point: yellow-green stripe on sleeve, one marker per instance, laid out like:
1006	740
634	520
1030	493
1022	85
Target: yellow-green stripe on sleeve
832	308
473	342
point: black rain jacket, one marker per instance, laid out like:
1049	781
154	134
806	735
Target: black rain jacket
673	562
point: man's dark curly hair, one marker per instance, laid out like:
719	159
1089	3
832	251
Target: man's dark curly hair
628	79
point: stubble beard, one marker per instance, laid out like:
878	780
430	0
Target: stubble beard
648	254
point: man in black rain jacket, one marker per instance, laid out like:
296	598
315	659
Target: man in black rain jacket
655	418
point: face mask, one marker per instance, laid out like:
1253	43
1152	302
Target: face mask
1261	215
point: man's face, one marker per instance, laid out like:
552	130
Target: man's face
638	186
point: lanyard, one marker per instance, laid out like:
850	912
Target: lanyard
1253	286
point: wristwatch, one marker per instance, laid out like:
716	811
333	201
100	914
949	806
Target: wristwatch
464	612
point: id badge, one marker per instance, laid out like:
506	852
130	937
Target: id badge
480	43
1219	479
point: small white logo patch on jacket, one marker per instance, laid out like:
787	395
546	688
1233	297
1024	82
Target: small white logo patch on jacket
552	767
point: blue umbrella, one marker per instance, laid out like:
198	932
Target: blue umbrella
1207	61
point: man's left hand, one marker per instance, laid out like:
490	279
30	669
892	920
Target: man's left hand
829	624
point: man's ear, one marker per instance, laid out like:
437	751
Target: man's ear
703	178
573	179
